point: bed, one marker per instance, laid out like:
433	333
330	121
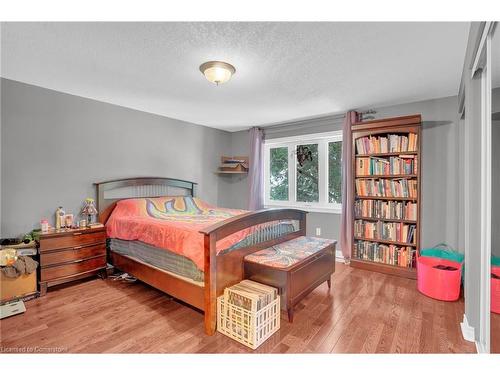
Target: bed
161	233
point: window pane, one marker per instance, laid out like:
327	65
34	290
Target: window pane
307	174
335	172
278	179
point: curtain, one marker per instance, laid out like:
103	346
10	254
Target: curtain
256	170
347	194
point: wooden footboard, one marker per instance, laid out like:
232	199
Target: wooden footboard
227	269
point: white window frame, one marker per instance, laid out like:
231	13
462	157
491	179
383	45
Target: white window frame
322	139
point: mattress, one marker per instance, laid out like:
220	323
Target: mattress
174	224
157	257
180	265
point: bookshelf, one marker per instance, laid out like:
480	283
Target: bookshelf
386	185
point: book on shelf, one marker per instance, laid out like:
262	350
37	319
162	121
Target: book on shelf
380	230
402	256
369	166
377	209
388	188
386	144
234	161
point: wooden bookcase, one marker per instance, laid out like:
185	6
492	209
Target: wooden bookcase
375	253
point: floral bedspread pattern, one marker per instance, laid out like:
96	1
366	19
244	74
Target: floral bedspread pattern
288	253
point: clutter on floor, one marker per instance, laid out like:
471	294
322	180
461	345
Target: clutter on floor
123	277
17	269
12	308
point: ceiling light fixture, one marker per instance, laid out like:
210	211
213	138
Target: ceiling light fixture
217	71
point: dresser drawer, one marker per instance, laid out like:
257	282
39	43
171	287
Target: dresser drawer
69	255
70	240
70	269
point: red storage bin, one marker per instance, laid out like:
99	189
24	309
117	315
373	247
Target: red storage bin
495	291
439	284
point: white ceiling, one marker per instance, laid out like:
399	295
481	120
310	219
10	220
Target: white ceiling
283	70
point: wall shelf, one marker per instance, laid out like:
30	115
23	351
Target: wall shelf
233	165
229	172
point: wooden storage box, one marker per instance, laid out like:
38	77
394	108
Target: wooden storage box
248	327
17	288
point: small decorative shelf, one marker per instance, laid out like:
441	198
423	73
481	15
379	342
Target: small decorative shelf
233	165
231	172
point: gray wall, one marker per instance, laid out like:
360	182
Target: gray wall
55	145
440	178
233	189
43	166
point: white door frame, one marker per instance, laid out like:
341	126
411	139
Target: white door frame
486	201
482	64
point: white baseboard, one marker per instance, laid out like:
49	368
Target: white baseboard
467	330
339	257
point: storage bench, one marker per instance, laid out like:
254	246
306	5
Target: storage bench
296	267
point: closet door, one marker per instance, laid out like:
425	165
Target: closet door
495	192
476	82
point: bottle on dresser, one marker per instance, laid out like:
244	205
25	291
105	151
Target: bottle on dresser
60	218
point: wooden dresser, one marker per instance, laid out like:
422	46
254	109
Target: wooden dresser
71	254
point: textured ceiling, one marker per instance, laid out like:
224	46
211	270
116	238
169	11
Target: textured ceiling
283	70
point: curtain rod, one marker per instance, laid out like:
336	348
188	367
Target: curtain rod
310	121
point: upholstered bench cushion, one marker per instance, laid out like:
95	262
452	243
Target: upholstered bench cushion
288	253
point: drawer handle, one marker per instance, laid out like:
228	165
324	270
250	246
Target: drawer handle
77	233
77	247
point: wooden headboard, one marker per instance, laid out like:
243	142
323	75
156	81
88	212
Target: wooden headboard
110	192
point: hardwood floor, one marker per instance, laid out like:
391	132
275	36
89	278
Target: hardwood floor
495	333
365	312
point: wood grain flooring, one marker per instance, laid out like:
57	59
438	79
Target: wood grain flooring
365	312
495	333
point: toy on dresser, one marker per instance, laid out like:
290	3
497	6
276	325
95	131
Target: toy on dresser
64	221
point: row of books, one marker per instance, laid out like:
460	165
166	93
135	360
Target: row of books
385	209
381	230
250	295
388	254
368	166
385	144
400	188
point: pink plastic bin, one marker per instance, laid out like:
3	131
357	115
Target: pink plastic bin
495	291
438	284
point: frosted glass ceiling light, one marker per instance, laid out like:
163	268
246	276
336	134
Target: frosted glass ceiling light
217	71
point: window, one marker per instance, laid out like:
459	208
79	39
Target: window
335	172
304	172
279	174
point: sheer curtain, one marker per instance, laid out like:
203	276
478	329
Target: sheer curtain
256	170
347	194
